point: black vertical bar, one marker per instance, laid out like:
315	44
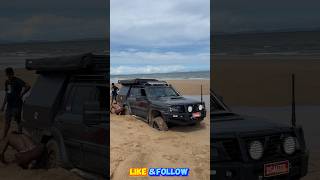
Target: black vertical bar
293	119
201	94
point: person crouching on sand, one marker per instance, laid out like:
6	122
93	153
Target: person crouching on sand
15	89
28	153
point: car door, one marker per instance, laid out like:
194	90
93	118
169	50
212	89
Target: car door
131	100
69	121
142	103
96	137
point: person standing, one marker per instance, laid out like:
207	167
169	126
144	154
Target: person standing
114	92
15	89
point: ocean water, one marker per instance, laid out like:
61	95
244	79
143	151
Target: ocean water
196	75
264	44
14	55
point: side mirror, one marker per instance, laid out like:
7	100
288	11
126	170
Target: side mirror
93	114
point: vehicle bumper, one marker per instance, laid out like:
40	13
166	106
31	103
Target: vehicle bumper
183	118
255	171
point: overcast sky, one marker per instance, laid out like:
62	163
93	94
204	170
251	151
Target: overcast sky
265	15
23	20
149	36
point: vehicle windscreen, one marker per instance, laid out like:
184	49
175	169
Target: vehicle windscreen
161	91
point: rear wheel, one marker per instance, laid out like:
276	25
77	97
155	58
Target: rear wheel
126	110
160	124
54	154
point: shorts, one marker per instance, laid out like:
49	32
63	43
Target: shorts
13	112
114	97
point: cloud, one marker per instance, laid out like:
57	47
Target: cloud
123	70
159	36
159	23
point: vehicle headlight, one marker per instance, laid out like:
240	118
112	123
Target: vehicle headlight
200	107
189	108
289	145
256	150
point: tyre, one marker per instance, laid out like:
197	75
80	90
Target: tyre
198	123
126	110
160	124
54	154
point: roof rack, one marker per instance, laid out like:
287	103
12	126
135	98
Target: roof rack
150	82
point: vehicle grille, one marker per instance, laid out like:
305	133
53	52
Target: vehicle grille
272	147
181	109
230	149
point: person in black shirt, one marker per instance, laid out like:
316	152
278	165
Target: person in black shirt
15	88
114	92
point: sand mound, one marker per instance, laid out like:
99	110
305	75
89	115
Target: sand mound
14	172
135	144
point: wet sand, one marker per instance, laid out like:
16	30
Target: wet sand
266	80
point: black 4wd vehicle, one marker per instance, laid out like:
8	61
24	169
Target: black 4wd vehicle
157	103
246	148
69	101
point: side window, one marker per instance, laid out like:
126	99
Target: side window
143	92
81	95
124	90
134	92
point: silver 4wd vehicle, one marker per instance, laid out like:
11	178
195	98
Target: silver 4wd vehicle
248	148
159	104
69	101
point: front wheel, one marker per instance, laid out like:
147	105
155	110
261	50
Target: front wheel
54	154
160	124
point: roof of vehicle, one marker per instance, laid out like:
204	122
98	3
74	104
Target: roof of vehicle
86	67
65	63
146	82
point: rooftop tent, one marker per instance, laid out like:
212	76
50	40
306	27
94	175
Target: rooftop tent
62	63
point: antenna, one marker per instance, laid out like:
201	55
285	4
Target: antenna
293	116
201	93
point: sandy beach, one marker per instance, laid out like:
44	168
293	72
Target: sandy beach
266	80
135	144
